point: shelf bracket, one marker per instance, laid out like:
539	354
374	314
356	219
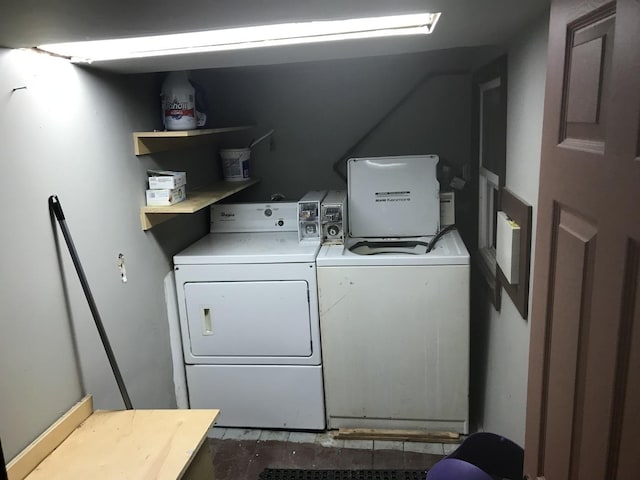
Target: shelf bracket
150	220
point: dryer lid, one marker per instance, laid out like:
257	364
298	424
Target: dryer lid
255	247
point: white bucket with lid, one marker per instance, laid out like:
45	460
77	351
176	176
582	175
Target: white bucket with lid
235	163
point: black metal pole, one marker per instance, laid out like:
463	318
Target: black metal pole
3	467
54	205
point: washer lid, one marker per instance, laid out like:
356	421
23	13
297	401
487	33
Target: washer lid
449	250
261	247
393	196
380	247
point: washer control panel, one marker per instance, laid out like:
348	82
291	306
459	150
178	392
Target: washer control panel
309	226
333	220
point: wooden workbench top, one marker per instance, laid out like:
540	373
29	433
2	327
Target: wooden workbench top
129	444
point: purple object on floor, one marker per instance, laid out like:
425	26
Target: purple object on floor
482	456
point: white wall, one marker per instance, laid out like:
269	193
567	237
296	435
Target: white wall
504	366
69	133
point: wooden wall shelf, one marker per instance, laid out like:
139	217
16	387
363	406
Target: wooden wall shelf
196	200
160	141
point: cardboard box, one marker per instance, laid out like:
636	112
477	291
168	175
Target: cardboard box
447	209
166	180
164	197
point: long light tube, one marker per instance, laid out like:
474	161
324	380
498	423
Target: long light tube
244	37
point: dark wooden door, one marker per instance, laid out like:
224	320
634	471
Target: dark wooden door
583	410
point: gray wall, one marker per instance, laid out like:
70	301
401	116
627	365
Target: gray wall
69	133
502	368
320	109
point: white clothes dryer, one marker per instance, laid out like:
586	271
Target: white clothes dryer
247	299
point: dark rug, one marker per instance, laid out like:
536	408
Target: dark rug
287	474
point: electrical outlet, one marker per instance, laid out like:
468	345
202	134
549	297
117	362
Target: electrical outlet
122	268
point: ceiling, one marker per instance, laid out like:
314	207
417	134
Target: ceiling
464	23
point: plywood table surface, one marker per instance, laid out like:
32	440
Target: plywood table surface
129	444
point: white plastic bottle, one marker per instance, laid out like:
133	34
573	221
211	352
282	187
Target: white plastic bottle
178	102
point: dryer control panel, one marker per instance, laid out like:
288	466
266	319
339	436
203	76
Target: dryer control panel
253	217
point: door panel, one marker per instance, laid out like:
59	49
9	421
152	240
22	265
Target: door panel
587	78
623	455
575	239
249	318
583	393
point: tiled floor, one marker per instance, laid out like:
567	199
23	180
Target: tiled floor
241	454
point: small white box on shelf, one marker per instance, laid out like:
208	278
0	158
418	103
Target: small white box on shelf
166	180
164	197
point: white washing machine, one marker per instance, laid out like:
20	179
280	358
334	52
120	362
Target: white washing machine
247	299
395	316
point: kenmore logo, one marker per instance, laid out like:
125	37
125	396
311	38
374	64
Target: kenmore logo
225	214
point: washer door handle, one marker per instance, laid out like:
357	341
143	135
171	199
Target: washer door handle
207	327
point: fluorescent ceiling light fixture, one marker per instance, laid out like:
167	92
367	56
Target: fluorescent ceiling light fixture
245	37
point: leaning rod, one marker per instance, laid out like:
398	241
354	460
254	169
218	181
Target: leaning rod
3	467
54	205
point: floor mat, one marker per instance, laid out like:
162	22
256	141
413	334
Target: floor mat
287	474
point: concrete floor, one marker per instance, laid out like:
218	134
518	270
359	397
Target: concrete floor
240	454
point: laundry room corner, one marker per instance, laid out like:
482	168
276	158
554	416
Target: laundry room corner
67	131
308	270
320	110
500	359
